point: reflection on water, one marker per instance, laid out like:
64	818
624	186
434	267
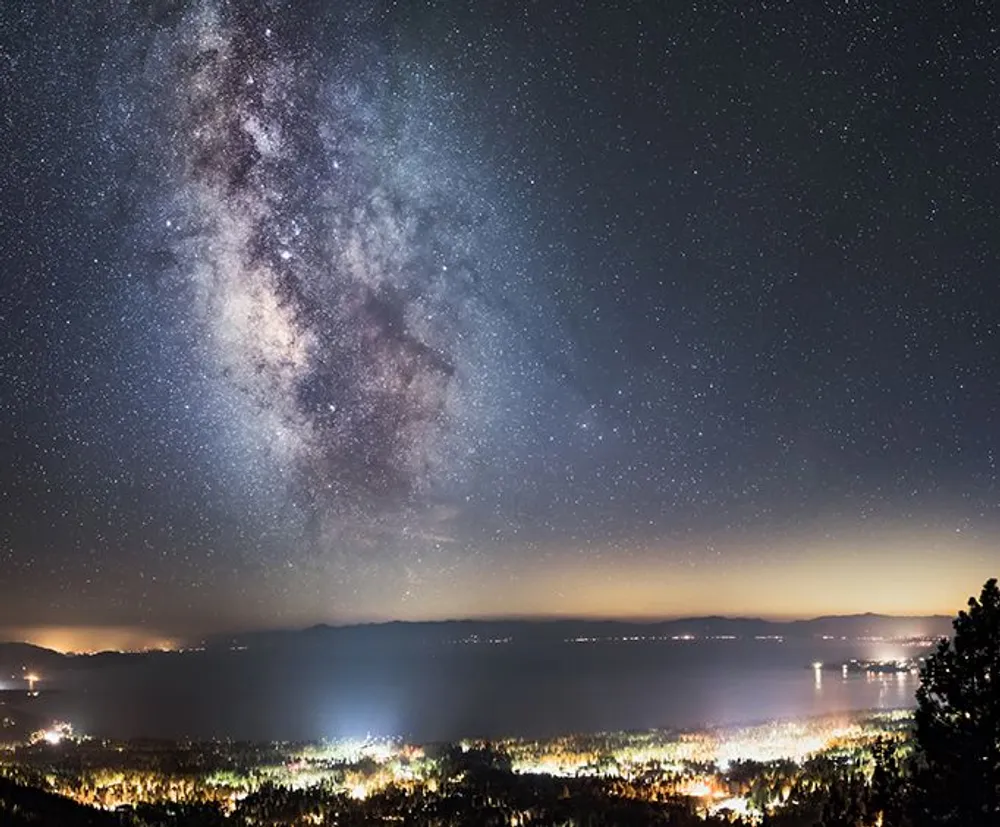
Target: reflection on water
888	690
489	691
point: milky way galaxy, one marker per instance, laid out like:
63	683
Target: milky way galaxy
331	260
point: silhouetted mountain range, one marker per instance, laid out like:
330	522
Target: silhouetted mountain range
15	656
552	631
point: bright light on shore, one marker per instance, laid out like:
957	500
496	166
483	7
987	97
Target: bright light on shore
58	732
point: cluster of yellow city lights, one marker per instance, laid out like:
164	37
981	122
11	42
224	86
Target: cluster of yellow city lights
646	765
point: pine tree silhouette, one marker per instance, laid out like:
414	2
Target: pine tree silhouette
958	721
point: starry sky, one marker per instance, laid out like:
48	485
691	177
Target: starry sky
327	312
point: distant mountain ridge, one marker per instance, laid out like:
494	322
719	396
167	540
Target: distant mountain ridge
559	629
17	656
14	656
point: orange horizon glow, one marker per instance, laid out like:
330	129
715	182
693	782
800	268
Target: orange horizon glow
902	573
88	640
890	572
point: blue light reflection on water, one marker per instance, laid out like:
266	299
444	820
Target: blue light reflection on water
466	691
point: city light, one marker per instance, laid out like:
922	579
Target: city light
653	765
58	732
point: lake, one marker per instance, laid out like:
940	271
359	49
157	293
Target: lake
481	690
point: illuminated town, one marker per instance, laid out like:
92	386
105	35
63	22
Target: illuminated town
784	769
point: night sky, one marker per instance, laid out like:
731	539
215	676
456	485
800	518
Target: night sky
323	312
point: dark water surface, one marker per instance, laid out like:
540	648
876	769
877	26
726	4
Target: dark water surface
449	692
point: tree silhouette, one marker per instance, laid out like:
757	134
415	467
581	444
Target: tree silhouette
888	794
958	721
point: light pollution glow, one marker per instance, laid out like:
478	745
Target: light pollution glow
897	577
888	572
90	639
